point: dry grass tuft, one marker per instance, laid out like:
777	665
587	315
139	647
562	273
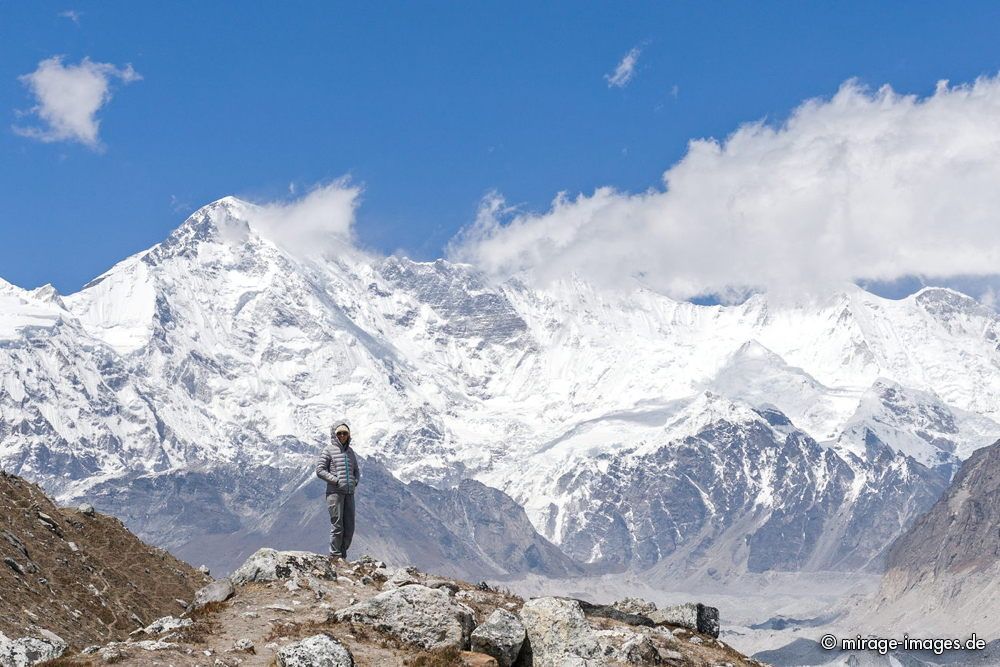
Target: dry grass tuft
443	657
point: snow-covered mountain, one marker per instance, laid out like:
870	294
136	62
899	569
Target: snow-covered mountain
635	430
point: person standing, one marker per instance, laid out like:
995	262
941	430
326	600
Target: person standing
338	467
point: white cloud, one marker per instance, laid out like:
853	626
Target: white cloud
69	97
866	185
625	70
70	14
321	219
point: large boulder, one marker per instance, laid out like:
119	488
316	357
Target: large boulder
271	565
501	636
425	617
693	616
217	591
28	651
315	651
558	634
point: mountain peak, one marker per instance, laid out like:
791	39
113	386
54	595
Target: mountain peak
222	219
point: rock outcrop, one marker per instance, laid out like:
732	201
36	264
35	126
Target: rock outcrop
362	613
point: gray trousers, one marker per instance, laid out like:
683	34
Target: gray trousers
341	506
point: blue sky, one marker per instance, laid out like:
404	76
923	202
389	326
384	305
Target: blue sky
429	106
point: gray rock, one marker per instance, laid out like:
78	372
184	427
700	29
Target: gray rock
14	565
315	651
244	646
166	624
87	509
627	646
217	591
501	636
271	565
153	645
635	606
415	614
672	656
204	570
449	586
558	634
15	542
404	576
693	615
612	612
113	652
28	651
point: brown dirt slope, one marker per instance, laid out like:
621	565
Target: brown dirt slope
83	576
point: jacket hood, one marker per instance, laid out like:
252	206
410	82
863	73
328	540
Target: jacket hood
337	423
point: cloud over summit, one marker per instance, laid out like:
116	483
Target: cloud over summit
864	185
322	219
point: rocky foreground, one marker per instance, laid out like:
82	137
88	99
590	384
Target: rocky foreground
296	609
77	588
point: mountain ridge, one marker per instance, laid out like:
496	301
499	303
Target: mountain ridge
220	345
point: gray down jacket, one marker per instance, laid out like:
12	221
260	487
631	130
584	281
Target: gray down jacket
338	466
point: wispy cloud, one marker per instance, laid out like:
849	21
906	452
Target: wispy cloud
625	70
864	185
320	220
68	98
71	14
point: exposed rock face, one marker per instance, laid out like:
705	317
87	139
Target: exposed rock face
943	574
416	614
316	651
743	490
80	575
959	533
501	636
